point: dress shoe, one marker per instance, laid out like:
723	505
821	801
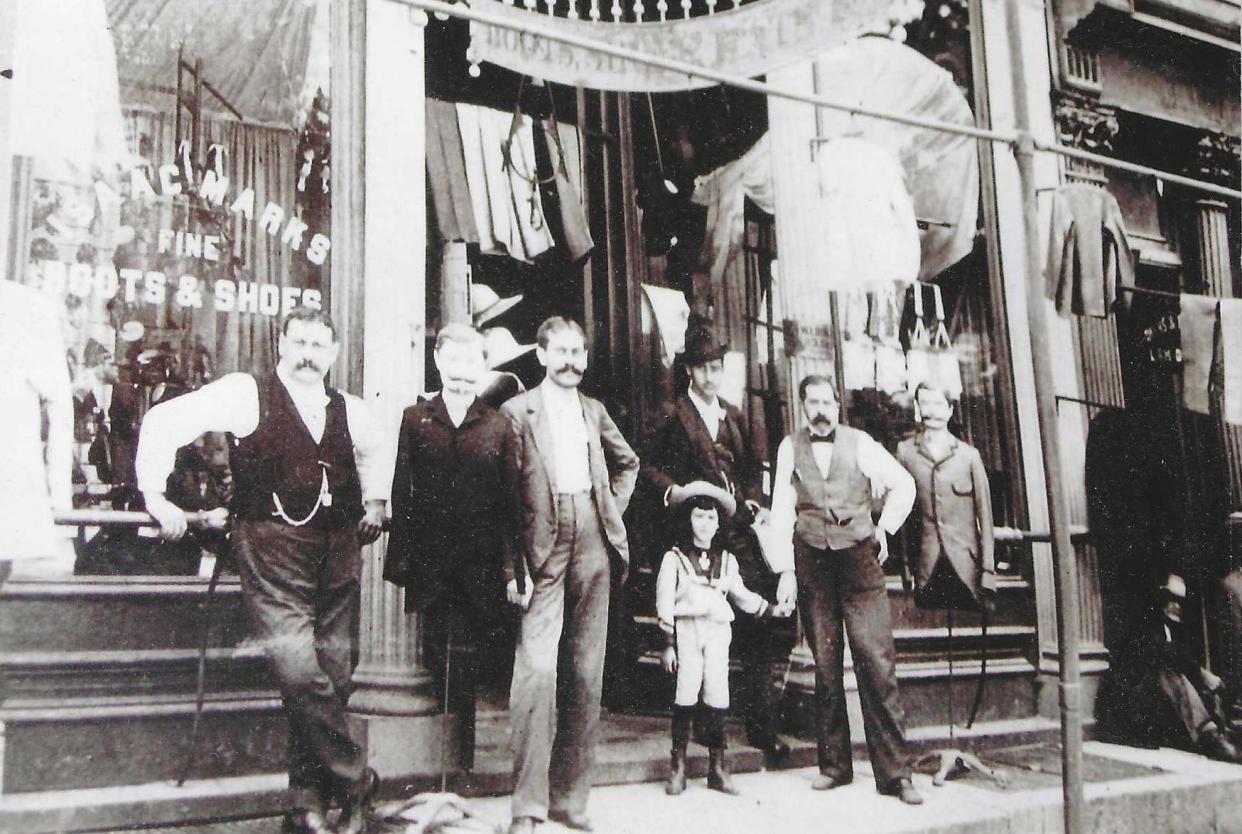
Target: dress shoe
1215	746
305	822
578	822
357	807
522	825
826	782
775	754
904	790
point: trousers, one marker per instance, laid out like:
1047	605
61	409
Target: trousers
837	587
300	587
558	667
703	662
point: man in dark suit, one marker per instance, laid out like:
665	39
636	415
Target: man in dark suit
454	522
576	474
700	437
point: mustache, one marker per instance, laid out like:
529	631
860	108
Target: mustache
573	369
821	420
307	363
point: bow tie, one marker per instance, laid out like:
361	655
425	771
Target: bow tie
824	438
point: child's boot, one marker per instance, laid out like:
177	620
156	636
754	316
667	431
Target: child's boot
682	718
718	778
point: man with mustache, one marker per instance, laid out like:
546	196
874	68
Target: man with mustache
310	485
454	522
576	474
701	438
830	556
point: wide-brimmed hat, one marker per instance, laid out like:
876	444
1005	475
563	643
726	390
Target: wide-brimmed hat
501	347
702	347
696	488
495	387
486	304
1174	587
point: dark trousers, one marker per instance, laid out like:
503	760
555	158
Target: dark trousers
847	586
558	669
466	643
1184	705
301	590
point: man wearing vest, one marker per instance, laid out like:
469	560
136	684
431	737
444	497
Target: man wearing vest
831	555
310	483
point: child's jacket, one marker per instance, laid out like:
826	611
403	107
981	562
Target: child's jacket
685	588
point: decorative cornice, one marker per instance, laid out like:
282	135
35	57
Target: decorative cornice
1217	159
1084	123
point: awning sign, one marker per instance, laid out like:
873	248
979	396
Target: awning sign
749	40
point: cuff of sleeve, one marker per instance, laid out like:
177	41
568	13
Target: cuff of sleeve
666	494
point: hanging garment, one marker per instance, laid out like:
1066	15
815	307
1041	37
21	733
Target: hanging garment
33	373
890	361
500	163
671	316
870	235
575	226
66	103
1231	358
446	174
1197	322
955	509
857	348
1088	252
724	192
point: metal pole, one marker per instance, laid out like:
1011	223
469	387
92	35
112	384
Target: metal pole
1058	508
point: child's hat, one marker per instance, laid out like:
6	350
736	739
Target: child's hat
696	488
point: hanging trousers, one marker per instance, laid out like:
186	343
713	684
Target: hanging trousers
837	587
300	587
558	668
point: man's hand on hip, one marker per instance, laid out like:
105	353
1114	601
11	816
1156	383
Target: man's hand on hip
520	596
172	518
372	522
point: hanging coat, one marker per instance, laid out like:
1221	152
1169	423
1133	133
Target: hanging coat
1088	251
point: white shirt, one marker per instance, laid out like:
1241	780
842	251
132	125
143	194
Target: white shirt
569	437
713	413
231	404
881	468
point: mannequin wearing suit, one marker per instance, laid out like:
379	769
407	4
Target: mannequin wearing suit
575	476
701	438
954	563
454	522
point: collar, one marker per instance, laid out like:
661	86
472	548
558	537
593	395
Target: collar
830	437
311	395
440	407
921	443
712	409
558	398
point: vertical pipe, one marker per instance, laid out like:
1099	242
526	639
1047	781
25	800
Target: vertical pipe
1058	509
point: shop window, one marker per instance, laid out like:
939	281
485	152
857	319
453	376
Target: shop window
171	209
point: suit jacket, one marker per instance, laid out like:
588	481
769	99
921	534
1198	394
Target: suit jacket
679	450
454	515
955	506
613	465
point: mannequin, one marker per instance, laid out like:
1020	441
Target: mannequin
953	555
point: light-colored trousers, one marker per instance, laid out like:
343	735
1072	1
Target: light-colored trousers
556	719
703	662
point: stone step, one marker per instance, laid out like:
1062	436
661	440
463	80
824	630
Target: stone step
117	614
89	742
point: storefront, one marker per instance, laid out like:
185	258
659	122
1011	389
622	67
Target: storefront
477	174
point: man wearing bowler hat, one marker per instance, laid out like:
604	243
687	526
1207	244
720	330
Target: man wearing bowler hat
701	438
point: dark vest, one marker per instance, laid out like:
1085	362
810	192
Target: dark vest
834	512
281	458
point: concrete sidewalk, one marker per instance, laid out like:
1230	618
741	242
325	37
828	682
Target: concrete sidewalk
1160	791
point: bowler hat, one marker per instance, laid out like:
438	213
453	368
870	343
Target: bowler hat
702	347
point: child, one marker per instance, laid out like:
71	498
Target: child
696	582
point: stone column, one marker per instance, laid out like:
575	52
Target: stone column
379	283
